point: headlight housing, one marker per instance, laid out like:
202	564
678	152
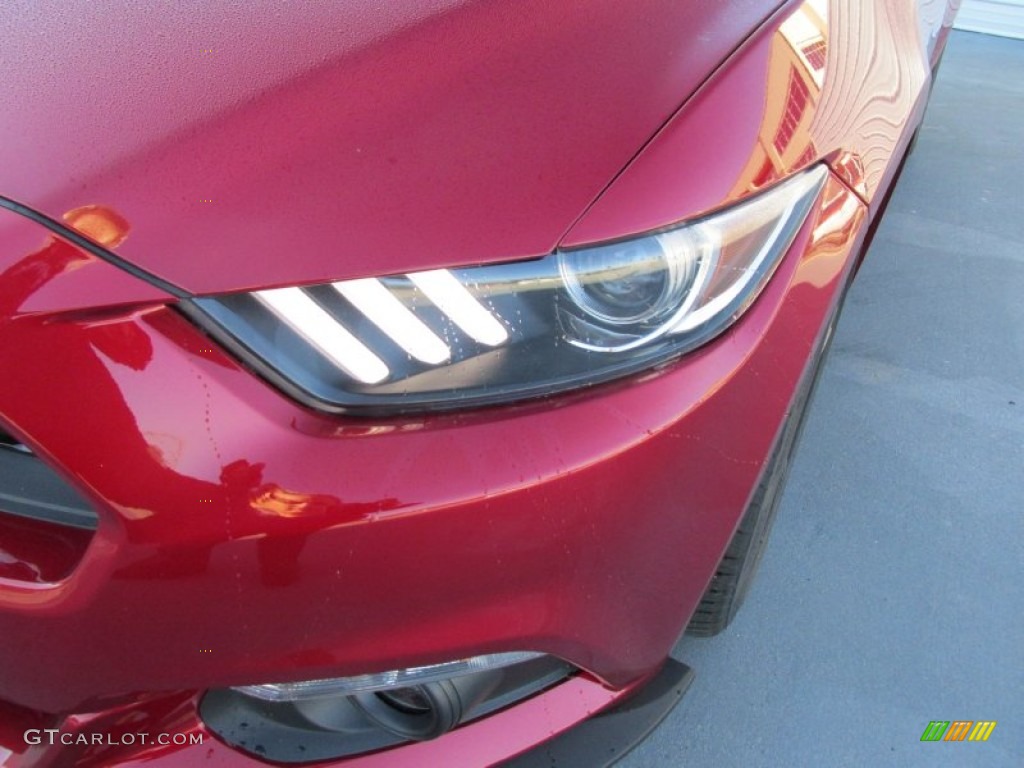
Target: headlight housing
452	338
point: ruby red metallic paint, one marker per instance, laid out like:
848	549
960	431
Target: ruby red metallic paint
41	272
246	539
356	140
857	117
511	516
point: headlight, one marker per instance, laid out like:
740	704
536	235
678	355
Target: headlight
454	338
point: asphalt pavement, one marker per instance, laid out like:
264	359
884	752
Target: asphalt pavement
891	593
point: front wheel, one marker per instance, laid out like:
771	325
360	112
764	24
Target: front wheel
735	573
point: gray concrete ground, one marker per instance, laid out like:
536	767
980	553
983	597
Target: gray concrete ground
891	593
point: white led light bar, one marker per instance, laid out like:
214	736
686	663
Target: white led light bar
313	323
455	300
375	301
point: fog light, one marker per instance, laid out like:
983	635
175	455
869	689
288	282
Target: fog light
412	701
331	718
420	713
431	710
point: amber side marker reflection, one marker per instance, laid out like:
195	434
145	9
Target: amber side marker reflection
99	223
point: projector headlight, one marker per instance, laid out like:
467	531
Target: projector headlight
454	338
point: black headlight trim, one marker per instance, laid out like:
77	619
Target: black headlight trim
540	358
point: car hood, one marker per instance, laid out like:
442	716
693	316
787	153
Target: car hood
258	144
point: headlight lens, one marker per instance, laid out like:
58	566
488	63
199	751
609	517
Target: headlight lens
637	282
463	337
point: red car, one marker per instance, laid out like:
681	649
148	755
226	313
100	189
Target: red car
390	384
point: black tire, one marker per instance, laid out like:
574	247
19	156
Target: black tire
735	573
931	86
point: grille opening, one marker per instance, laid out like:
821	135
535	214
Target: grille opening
39	552
45	523
30	488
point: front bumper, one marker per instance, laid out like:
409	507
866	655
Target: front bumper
243	539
